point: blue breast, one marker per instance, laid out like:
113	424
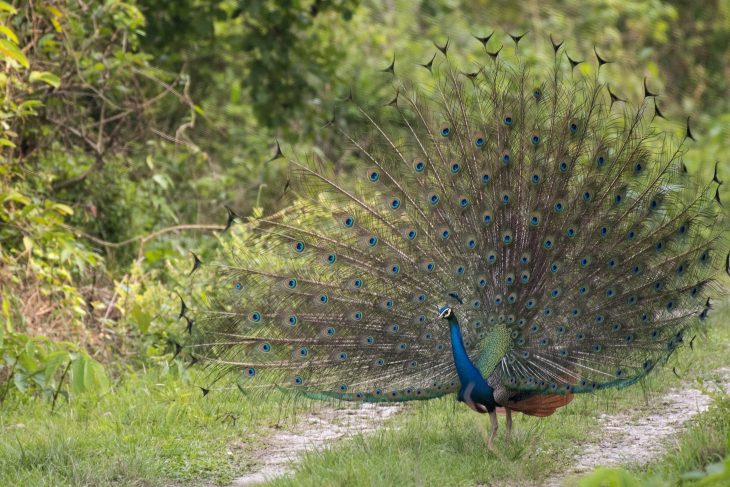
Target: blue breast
473	384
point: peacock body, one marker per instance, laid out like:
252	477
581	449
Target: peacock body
515	235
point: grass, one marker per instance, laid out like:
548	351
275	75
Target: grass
151	430
155	430
442	444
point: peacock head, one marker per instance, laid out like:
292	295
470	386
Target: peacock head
445	312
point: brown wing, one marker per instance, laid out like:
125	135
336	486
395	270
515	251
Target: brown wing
541	405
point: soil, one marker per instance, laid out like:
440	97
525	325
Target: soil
643	434
316	430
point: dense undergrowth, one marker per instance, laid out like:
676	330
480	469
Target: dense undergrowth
126	125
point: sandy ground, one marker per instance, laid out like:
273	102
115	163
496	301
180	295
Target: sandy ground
316	430
634	437
643	434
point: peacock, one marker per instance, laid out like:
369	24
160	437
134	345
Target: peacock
513	232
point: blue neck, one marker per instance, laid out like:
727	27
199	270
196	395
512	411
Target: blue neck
469	375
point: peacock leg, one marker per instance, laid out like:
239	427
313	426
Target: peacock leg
493	432
509	423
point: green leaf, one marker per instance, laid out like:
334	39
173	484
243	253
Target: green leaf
87	375
609	477
46	77
12	51
78	369
56	14
53	362
27	361
8	320
142	318
162	180
28	107
16	197
63	209
6	7
8	32
694	475
56	25
21	381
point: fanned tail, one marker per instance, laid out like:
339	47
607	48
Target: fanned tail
563	219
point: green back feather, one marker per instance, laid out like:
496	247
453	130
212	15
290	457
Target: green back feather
492	348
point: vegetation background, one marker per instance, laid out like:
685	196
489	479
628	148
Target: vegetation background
127	125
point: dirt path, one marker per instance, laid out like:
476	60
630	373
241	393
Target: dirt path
316	430
643	434
634	437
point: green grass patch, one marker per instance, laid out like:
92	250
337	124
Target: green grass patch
150	430
443	443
